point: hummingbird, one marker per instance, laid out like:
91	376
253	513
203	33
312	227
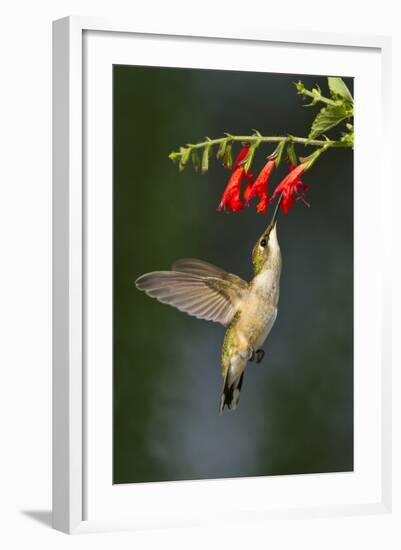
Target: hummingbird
248	310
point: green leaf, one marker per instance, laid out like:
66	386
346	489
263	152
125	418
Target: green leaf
249	158
327	118
310	161
279	152
185	154
248	161
292	157
338	88
195	159
175	156
228	156
348	137
299	86
205	158
222	149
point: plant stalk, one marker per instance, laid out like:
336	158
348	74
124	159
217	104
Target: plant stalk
273	139
318	97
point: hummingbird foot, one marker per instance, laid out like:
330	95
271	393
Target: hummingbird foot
256	355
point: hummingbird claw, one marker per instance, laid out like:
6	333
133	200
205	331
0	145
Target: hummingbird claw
259	354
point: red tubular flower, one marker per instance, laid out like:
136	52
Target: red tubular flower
232	195
259	188
241	156
291	185
231	198
248	186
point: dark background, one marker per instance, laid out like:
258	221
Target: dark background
296	409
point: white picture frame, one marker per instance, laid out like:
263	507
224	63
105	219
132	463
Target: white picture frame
71	421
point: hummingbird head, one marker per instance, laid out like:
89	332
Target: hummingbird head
266	252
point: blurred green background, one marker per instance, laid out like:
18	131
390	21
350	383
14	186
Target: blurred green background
296	410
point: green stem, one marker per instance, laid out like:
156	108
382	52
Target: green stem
268	139
318	97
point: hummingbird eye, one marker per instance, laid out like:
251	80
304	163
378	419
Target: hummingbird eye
263	243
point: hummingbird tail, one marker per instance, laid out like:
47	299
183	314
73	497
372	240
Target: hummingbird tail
231	393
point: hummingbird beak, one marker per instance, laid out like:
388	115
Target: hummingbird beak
276	211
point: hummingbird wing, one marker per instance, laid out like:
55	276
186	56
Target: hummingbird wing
199	267
206	292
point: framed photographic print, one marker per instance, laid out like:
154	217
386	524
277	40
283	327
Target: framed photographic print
219	324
